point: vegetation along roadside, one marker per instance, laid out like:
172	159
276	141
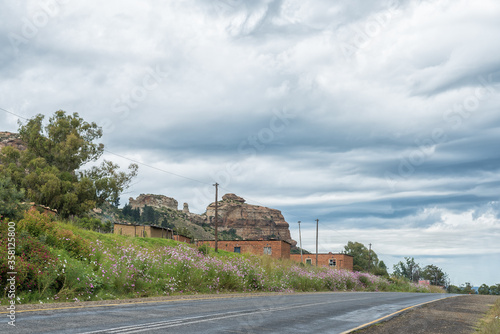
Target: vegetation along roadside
57	261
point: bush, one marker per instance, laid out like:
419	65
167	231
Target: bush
93	224
204	249
37	268
36	224
44	228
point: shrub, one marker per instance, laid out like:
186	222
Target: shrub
36	224
46	230
36	266
204	249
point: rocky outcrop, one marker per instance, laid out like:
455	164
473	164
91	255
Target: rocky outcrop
155	201
233	198
11	139
249	221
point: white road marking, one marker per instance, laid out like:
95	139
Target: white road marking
193	320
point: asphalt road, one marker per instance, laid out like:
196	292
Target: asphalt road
290	313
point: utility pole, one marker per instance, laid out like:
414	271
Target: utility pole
317	222
300	241
216	214
370	254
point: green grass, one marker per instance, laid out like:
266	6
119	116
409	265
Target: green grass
491	323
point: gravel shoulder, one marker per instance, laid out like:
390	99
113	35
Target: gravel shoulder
455	315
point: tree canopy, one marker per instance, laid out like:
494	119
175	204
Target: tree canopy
413	271
48	171
10	198
364	259
435	275
409	269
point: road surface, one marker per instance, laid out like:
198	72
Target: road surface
336	312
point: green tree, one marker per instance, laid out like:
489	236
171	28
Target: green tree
149	215
132	214
380	269
495	289
362	255
48	169
10	198
65	143
467	289
484	289
408	269
108	181
435	275
453	289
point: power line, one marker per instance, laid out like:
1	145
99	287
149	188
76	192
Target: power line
10	112
158	169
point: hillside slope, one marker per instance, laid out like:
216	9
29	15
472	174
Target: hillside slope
56	261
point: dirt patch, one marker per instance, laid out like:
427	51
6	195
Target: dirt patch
456	315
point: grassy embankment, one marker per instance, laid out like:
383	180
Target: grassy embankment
56	261
491	323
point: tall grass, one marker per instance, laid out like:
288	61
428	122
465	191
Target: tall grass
491	323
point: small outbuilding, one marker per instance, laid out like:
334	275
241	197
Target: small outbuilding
146	231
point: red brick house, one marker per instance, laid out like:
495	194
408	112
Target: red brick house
339	261
278	249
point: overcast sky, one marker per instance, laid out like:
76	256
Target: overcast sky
379	118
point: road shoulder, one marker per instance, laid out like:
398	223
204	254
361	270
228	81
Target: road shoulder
458	315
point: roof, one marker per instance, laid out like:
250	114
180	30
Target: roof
330	253
155	226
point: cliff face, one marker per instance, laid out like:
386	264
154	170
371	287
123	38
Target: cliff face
155	201
249	221
11	139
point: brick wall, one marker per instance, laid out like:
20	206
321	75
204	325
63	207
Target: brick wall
341	261
278	249
142	231
182	238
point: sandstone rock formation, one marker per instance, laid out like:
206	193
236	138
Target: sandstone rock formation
249	221
233	198
155	201
11	139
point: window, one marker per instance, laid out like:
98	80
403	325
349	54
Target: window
309	261
333	263
237	249
267	250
